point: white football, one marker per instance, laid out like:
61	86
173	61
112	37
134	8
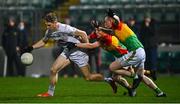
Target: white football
27	58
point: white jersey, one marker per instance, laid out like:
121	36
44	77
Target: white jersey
64	33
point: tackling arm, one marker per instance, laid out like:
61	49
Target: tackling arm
88	45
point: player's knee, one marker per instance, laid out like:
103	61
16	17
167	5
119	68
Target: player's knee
53	71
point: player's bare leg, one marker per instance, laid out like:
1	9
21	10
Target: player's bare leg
140	76
119	77
146	80
124	72
122	81
116	68
137	78
57	66
97	77
89	76
153	86
151	73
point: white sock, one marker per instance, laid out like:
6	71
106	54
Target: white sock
107	79
136	76
51	89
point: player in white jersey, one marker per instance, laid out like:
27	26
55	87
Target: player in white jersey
64	34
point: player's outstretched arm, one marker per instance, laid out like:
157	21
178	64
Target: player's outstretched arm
26	49
39	44
88	45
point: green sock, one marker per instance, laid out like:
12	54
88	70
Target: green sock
157	90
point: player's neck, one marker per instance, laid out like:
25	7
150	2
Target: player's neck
57	25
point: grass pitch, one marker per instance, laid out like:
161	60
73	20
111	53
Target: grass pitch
70	90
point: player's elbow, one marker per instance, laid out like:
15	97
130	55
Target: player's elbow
84	33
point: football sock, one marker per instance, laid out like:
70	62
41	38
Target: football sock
51	89
136	81
107	79
157	90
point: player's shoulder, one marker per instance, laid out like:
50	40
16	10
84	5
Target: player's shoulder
64	27
61	24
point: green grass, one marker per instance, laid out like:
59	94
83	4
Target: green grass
70	90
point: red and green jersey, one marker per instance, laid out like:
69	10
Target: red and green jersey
127	37
111	44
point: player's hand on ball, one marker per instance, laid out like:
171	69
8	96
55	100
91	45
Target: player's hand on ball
27	49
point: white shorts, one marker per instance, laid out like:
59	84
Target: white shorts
78	57
133	58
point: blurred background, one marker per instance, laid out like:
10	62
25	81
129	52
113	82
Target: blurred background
156	23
